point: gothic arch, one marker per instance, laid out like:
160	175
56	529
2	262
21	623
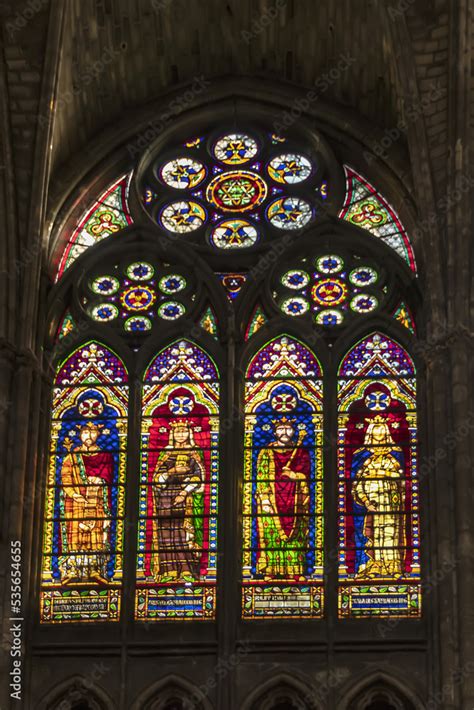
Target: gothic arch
379	688
172	688
282	691
78	691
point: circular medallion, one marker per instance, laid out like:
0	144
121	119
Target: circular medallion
90	407
180	405
183	173
329	292
289	213
329	264
173	283
363	276
295	279
235	149
364	303
105	285
289	168
284	402
377	401
140	271
171	310
137	298
183	217
105	312
236	191
137	324
234	234
329	317
295	306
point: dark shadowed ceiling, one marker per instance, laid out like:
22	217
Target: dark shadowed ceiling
119	55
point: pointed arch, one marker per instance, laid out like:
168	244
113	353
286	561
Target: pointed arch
378	487
282	691
283	482
107	215
85	491
177	533
367	208
378	688
172	688
77	692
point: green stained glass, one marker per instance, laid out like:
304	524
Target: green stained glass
66	327
257	321
208	322
366	208
403	315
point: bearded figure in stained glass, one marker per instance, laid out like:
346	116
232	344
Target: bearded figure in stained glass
282	479
378	489
178	499
86	475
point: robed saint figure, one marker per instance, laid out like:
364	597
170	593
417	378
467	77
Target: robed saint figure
282	492
86	477
178	489
378	487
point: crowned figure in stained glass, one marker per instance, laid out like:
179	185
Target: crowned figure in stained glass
378	490
178	494
282	472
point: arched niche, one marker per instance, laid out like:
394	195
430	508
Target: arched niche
381	692
172	693
283	692
77	693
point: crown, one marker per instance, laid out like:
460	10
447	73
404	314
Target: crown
284	420
92	426
378	419
181	424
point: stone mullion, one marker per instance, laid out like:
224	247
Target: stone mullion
22	430
436	473
7	364
8	246
462	354
229	568
460	191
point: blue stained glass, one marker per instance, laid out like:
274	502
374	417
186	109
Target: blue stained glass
171	310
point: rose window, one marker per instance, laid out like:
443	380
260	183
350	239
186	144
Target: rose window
236	189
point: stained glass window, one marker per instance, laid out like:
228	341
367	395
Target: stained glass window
366	207
132	294
177	533
232	283
66	326
208	322
243	187
283	483
233	234
329	288
228	221
379	563
107	215
85	496
404	316
258	319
